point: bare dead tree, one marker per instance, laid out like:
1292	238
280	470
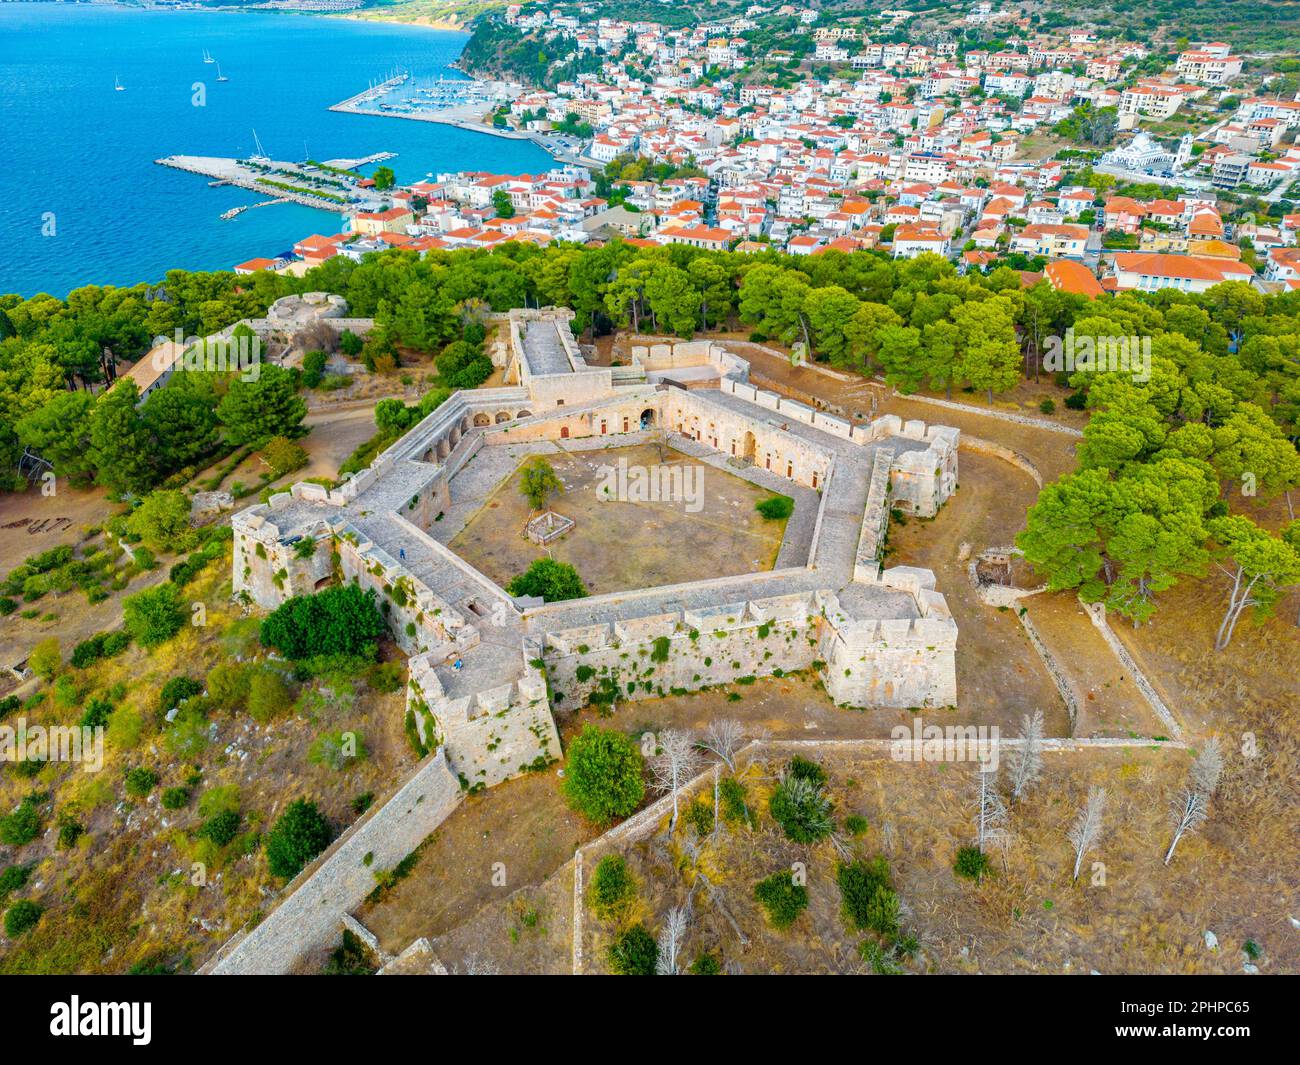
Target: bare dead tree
317	336
724	738
675	763
1208	766
1027	759
1192	806
1087	827
671	938
990	811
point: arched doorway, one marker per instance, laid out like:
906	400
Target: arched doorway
482	419
564	432
647	418
749	447
503	416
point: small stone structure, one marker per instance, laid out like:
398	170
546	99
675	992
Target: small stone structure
548	527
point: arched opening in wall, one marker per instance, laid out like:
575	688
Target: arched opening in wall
647	418
322	583
523	414
482	419
453	437
749	447
503	416
443	448
564	432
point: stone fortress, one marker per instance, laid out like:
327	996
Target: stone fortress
486	670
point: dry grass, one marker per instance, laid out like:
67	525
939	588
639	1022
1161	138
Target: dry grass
1027	916
123	894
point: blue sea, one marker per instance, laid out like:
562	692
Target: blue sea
81	199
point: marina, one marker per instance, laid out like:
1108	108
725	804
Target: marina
464	103
327	186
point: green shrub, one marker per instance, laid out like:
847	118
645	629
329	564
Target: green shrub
551	580
803	769
297	837
781	898
97	713
14	878
386	676
175	798
46	658
775	508
1047	406
140	781
70	830
705	965
734	801
971	863
101	645
228	685
699	815
869	901
802	810
221	828
269	694
634	953
351	958
21	917
612	887
24	824
176	691
155	615
602	779
342	620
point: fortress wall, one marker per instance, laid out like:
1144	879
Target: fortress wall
310	914
739	436
875	519
267	570
715	646
490	736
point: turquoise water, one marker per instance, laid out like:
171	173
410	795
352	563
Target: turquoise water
78	157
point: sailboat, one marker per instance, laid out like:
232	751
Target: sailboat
221	76
117	84
207	56
261	156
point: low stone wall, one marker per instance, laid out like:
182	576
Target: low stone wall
1006	454
988	412
310	914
